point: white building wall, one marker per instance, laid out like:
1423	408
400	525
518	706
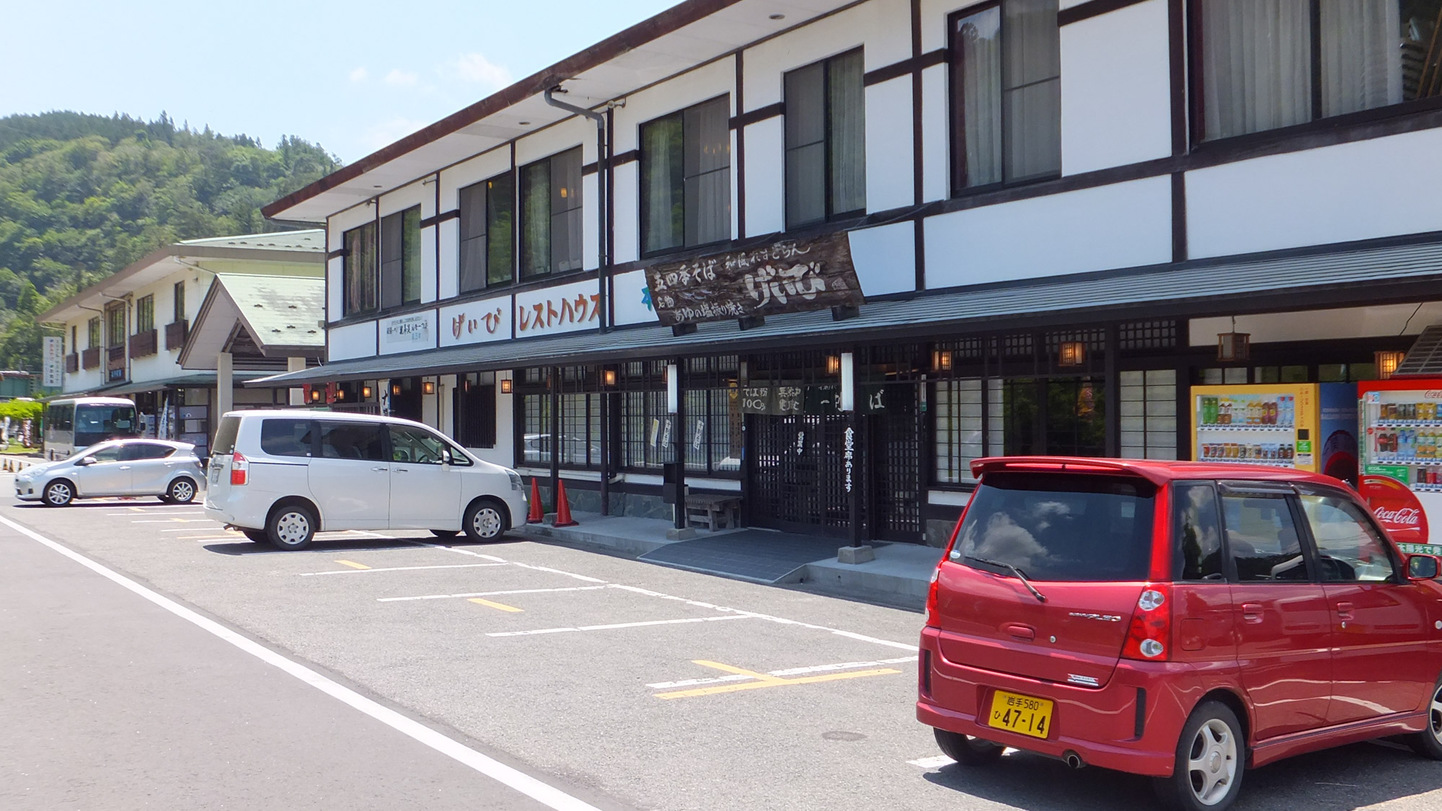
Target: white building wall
352	341
765	177
1117	226
1116	88
1360	190
935	134
890	175
452	180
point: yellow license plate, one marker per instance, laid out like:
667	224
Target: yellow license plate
1019	713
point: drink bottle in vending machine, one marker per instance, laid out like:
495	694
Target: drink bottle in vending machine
1307	426
1401	457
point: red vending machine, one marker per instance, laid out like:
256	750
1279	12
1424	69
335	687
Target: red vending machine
1401	424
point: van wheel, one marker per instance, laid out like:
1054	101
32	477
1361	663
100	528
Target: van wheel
966	750
59	493
1428	742
485	520
181	491
1211	756
291	527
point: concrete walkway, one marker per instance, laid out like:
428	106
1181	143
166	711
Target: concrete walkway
899	576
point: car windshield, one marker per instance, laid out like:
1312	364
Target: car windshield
1060	527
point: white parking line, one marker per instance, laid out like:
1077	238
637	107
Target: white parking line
791	671
484	594
616	626
401	569
517	780
932	762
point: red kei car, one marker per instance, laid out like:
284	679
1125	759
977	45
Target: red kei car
1179	620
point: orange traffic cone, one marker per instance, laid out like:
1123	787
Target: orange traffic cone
563	508
536	514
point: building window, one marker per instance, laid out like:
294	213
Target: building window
401	258
1263	66
475	408
487	244
825	140
1006	93
115	326
359	282
74	340
145	314
179	311
686	178
1148	414
551	215
92	332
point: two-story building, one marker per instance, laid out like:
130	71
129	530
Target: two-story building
824	253
126	335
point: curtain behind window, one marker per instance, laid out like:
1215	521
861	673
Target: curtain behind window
473	238
846	113
1032	97
708	175
360	268
805	146
566	227
977	43
411	255
1361	55
1256	65
536	219
500	241
663	185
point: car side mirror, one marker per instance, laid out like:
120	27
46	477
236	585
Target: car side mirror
446	458
85	461
1423	567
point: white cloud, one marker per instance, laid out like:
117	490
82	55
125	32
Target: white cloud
359	75
477	69
401	78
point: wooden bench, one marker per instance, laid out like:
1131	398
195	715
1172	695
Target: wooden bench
713	510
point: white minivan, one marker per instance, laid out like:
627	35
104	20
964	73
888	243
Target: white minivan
281	476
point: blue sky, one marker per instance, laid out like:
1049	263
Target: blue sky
352	76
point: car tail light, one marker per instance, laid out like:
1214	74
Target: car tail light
1150	635
239	469
931	596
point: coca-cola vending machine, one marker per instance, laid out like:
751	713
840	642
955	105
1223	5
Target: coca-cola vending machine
1401	437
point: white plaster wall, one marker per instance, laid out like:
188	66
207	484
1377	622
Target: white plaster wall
627	226
1317	325
628	299
880	26
889	167
885	258
1116	88
765	178
352	341
1116	226
475	170
935	134
933	21
693	87
448	254
1382	187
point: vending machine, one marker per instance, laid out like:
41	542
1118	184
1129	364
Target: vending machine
1306	426
1401	424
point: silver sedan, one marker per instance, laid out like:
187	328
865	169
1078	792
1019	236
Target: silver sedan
121	467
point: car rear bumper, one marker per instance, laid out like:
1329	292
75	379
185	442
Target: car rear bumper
1130	724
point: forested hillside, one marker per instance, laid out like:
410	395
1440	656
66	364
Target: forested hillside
82	196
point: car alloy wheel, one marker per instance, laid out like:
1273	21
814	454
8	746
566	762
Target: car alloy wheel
1210	760
59	494
1428	742
181	491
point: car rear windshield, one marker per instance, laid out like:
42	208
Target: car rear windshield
1060	527
225	435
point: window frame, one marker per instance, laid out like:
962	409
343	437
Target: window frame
1196	128
828	142
400	231
555	265
647	248
488	197
145	314
115	326
353	274
94	333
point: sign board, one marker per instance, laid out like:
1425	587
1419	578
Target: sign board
631	299
53	363
476	322
407	333
787	276
557	310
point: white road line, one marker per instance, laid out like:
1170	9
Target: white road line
616	626
401	569
189	529
791	671
547	795
175	521
932	762
484	594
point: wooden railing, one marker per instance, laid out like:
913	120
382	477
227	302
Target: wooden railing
115	358
143	343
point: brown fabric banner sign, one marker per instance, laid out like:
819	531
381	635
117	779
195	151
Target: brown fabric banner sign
783	277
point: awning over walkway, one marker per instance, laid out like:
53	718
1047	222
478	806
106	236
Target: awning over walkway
195	381
1363	275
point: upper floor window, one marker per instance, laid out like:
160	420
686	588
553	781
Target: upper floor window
145	314
1263	66
179	310
551	215
825	140
359	276
74	340
92	332
401	258
487	223
686	177
115	326
1005	93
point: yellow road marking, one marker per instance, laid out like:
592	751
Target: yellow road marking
352	564
497	606
765	680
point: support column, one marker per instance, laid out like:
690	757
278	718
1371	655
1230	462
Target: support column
224	385
297	396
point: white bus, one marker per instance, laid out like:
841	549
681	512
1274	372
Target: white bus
75	423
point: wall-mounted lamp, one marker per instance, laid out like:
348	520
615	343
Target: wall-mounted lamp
608	377
507	386
833	364
366	392
940	360
316	395
339	393
1071	353
1387	363
429	387
1234	346
395	389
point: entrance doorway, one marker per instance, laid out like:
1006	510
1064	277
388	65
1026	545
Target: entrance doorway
798	473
